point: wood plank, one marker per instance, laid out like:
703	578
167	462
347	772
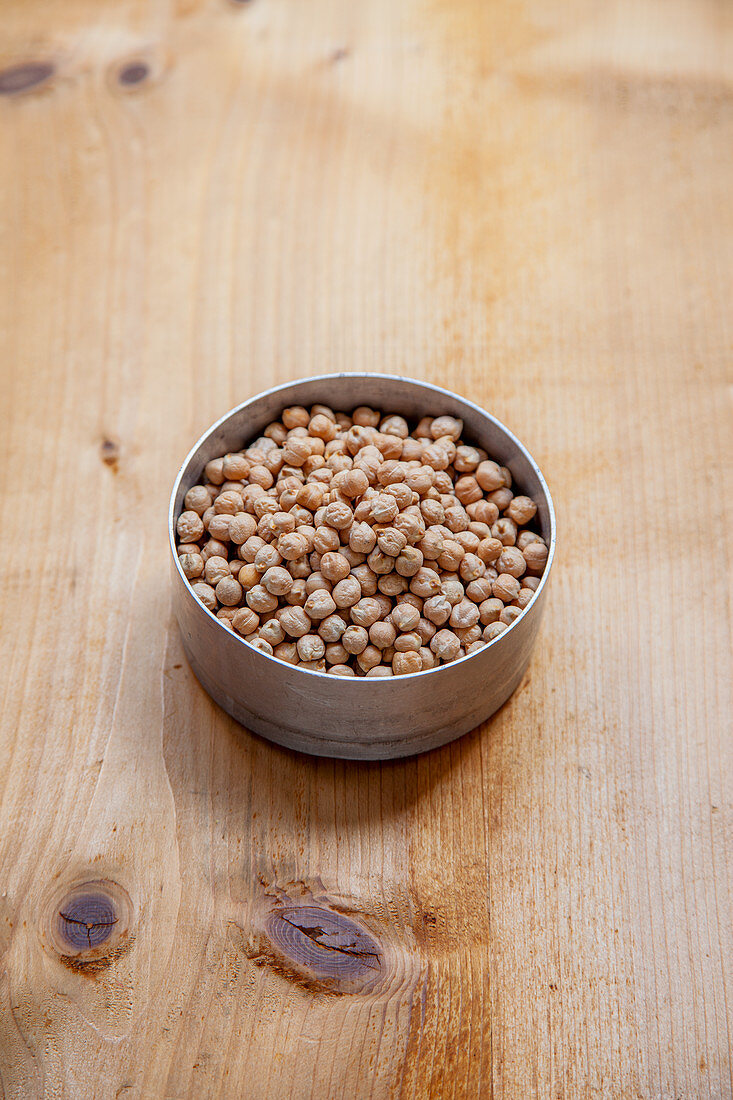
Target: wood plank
528	203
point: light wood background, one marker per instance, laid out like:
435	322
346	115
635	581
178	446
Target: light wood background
532	204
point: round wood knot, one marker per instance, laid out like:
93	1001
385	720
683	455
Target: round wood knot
134	72
21	78
89	925
329	947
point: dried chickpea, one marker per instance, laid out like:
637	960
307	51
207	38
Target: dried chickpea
405	663
258	598
408	643
245	620
369	658
446	426
471	568
511	561
190	527
532	583
334	566
445	645
355	639
287	651
365	612
272	632
341	670
364	417
214	471
216	568
310	647
206	594
295	622
319	605
464	614
392	584
326	539
192	565
292	546
425	583
506	587
347	592
296	597
535	555
493	630
405	616
229	591
197	499
362	538
295	417
336	654
382	635
509	614
380	671
277	580
489	476
479	590
437	609
367	579
188	548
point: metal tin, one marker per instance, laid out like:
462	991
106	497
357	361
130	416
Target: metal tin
357	717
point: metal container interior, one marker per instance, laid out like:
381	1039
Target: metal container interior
360	718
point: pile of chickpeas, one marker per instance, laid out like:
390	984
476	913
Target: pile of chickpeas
349	544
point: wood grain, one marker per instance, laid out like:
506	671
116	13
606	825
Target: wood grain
527	202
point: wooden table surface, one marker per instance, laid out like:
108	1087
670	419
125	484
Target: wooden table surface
529	202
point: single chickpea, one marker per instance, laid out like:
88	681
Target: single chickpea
189	548
265	558
502	498
214	471
489	550
380	562
259	643
409	561
309	534
296	417
480	530
219	527
446	426
511	561
379	672
402	494
422	431
408	643
364	417
295	451
469	634
505	530
245	620
229	591
436	457
295	622
326	539
310	647
445	645
425	583
370	657
432	511
248	550
319	605
334	566
341	670
352	557
506	587
479	590
259	599
431	545
437	609
296	597
347	592
464	614
272	632
206	595
382	635
405	663
474	646
384	508
388	654
451	555
339	515
532	583
277	432
452	589
391	472
292	546
248	576
336	654
287	651
365	612
355	639
313	666
427	658
316	582
535	555
421	479
352	483
310	496
411	524
456	519
332	628
426	630
391	541
509	614
405	616
468	541
392	584
197	499
190	527
395	425
489	476
241	527
412	449
362	538
366	577
467	459
468	490
215	569
260	475
359	437
323	427
471	568
389	446
192	565
235	467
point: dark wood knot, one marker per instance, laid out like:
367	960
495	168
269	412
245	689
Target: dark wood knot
134	72
329	946
89	925
109	451
21	78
